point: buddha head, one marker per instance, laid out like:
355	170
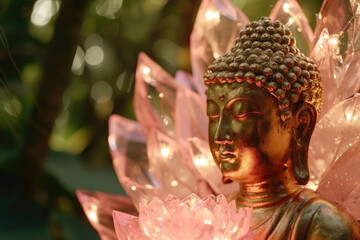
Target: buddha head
262	101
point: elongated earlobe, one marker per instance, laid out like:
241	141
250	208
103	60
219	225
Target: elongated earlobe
303	126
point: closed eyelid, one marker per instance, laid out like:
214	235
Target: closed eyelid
216	107
232	101
244	115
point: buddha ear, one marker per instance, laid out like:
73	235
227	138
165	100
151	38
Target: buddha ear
303	123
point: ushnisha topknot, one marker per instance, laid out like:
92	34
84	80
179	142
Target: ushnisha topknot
265	53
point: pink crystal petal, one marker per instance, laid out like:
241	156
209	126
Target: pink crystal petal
204	163
98	208
291	15
167	167
192	201
217	24
154	97
341	19
190	115
335	133
237	225
185	80
128	150
334	15
342	179
153	219
194	218
127	227
352	203
204	188
350	82
350	78
245	214
322	55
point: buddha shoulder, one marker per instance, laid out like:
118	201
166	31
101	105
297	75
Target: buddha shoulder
324	220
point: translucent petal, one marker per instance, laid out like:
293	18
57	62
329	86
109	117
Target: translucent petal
341	19
349	80
153	218
127	227
192	218
201	156
352	203
186	80
190	115
166	165
334	15
335	133
154	97
322	56
98	208
217	24
342	179
128	150
342	47
291	15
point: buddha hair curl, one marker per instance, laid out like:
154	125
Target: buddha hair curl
265	54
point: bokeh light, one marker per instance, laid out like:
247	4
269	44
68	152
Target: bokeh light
94	56
108	8
78	62
43	11
101	92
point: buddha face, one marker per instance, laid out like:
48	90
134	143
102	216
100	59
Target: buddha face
246	136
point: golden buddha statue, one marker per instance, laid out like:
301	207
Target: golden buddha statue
262	101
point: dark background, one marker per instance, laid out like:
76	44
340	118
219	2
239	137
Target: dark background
65	67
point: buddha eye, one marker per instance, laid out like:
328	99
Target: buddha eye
243	110
212	110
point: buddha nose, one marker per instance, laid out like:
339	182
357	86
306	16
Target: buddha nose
223	133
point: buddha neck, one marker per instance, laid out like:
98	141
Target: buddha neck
270	192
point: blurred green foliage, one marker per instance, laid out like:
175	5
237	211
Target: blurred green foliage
113	32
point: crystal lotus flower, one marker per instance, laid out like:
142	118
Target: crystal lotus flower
167	151
191	218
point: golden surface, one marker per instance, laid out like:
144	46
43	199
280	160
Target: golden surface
268	157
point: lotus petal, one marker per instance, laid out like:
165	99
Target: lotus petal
98	208
127	227
349	80
128	150
154	97
190	115
186	80
204	162
167	167
334	15
342	180
335	133
352	203
217	24
212	217
291	15
341	19
322	55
